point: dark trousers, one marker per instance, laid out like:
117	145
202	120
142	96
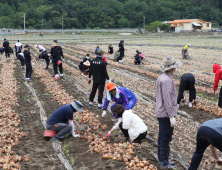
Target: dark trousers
28	70
61	128
47	60
7	53
121	56
55	67
21	59
187	84
184	53
205	137
94	89
165	132
126	134
220	98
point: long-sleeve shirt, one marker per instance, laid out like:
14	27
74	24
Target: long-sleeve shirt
186	47
27	56
98	70
41	48
218	75
60	52
121	48
6	45
166	99
132	123
18	47
124	96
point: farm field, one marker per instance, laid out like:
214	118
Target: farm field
25	107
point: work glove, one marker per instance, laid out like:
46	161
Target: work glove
89	81
108	134
172	122
76	136
214	92
104	113
49	54
109	81
219	161
194	103
178	106
190	104
183	101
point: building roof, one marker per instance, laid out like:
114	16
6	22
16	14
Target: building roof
176	25
185	21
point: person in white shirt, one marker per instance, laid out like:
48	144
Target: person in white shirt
41	48
18	47
129	123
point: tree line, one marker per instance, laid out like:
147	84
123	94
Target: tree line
103	13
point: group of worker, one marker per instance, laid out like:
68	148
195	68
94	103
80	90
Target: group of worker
131	125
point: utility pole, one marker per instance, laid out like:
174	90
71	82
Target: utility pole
62	24
144	24
42	26
24	22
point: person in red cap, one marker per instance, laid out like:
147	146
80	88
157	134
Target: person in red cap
119	95
218	76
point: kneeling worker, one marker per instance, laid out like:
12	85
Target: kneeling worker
119	95
129	123
59	120
187	83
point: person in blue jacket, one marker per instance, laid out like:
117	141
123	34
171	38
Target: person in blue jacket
119	95
97	48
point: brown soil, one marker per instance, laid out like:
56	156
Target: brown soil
34	144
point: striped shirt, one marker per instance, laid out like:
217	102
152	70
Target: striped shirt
166	99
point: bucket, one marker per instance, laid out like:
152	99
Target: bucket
49	133
59	62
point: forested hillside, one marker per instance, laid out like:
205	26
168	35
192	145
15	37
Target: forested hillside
103	13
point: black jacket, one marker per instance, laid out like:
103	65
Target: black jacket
27	56
56	54
6	45
110	49
98	70
44	56
121	48
60	52
137	57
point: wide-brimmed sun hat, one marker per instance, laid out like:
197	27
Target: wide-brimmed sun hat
54	44
77	105
87	63
170	63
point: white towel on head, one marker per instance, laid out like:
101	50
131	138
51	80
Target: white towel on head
109	94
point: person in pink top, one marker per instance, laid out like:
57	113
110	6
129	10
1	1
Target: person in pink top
166	109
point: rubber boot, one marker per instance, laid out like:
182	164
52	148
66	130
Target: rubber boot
159	158
164	154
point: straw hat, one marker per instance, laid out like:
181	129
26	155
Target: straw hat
170	63
87	63
54	44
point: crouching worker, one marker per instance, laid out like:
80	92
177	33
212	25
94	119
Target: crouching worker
130	124
209	134
137	58
119	95
20	56
85	67
1	50
46	56
116	55
187	83
61	121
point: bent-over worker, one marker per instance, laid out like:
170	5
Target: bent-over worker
129	123
209	134
21	57
184	50
119	95
218	76
61	120
187	82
